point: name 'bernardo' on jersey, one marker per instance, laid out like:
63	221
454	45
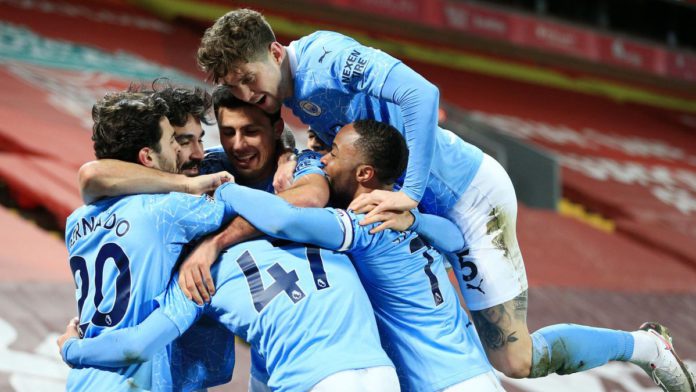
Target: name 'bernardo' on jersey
88	225
354	67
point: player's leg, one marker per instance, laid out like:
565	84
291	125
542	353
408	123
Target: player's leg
373	379
483	382
493	282
491	271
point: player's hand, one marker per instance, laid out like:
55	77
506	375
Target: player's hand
379	201
194	274
70	332
395	220
282	179
207	183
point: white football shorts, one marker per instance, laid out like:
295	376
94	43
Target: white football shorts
490	270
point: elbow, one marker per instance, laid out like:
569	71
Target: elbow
316	199
88	180
137	352
456	245
433	95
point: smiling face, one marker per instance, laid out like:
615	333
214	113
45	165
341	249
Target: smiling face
261	83
250	141
190	139
341	164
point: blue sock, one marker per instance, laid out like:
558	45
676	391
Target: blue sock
571	348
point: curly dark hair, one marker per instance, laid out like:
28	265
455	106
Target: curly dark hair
383	147
239	36
125	122
183	101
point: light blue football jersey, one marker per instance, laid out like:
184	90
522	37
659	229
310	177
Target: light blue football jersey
337	81
122	251
216	160
425	330
302	308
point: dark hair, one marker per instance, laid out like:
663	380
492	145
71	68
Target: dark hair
239	36
383	147
224	98
183	101
125	122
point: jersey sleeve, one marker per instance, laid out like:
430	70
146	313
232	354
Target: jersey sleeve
180	310
439	232
122	347
418	101
278	218
182	218
308	162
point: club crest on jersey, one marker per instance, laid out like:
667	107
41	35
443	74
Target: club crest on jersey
310	108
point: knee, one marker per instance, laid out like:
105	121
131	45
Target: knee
515	364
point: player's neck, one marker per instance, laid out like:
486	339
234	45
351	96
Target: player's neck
287	79
371	186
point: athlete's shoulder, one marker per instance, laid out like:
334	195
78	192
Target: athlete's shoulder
308	162
215	160
323	37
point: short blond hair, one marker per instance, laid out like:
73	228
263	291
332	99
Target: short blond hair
239	36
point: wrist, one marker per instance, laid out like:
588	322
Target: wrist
186	184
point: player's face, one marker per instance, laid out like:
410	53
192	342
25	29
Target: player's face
167	158
250	141
340	165
190	139
316	144
261	82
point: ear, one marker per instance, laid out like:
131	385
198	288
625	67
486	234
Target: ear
278	128
364	174
277	51
146	157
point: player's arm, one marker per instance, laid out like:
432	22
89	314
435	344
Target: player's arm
310	189
439	232
110	177
277	218
418	101
121	347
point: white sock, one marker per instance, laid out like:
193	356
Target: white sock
645	348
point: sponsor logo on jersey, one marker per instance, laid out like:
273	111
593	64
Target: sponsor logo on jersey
310	108
354	68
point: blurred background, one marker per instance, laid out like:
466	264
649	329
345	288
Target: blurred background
590	106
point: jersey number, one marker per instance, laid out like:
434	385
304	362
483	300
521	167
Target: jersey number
283	281
123	285
415	245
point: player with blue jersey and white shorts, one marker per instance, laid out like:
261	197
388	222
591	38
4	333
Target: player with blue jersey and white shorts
330	80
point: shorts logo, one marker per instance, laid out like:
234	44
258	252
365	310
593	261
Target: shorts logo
310	108
472	287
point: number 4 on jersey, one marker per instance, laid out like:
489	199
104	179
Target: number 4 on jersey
283	281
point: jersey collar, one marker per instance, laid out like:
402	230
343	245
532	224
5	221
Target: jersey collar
292	57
